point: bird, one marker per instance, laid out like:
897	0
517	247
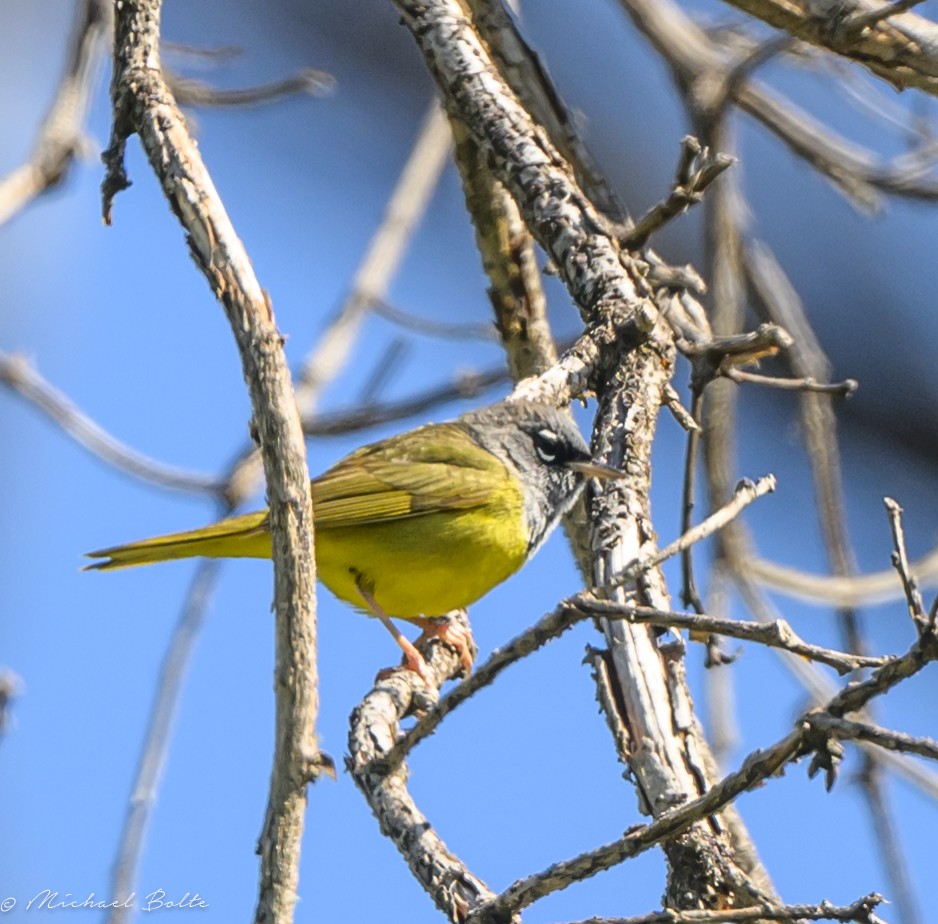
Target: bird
422	523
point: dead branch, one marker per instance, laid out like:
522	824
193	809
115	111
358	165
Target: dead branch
61	138
898	47
374	726
143	105
861	911
21	377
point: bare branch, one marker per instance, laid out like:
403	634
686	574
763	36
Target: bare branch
547	628
900	561
855	591
372	278
882	737
900	49
509	258
855	696
746	492
466	385
778	634
713	357
17	373
861	910
61	137
836	389
555	209
189	92
822	690
855	171
143	105
430	327
696	170
374	726
375	272
689	593
779	302
708	82
157	738
758	767
680	413
522	70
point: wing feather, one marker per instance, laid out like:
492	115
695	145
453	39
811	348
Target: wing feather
419	472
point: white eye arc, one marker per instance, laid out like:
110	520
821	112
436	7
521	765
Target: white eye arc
547	446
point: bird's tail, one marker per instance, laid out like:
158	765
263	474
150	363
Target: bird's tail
246	536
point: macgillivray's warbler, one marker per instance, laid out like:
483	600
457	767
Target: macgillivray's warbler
421	523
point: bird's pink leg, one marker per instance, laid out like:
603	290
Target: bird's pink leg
453	634
413	659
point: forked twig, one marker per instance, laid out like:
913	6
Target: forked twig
22	378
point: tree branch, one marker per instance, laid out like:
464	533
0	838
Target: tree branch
143	105
374	726
156	742
600	278
17	373
61	137
861	911
901	49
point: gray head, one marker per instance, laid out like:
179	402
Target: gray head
546	450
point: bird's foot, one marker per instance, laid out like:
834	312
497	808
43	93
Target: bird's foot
454	634
414	661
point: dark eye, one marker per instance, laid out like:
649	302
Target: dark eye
548	446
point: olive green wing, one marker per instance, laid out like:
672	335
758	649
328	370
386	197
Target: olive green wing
437	467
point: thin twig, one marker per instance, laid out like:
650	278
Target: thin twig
766	340
746	492
549	627
861	911
851	730
778	634
697	169
61	137
464	386
406	206
822	690
155	749
835	389
375	272
19	375
856	695
430	327
872	780
900	561
672	401
689	593
190	92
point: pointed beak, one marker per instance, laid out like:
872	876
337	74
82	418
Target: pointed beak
593	469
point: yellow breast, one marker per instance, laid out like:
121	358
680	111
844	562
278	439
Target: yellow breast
426	565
